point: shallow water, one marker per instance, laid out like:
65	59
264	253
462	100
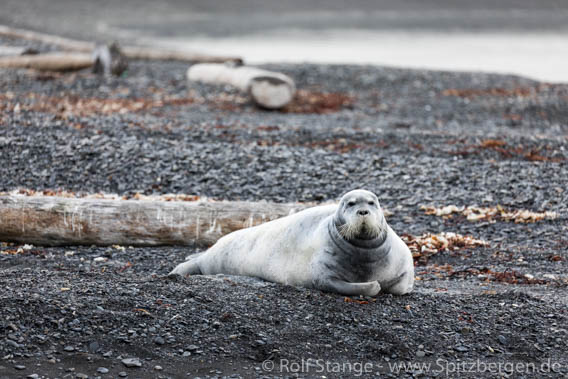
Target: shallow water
540	56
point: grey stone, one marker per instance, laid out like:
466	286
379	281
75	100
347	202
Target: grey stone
94	347
132	362
159	341
192	347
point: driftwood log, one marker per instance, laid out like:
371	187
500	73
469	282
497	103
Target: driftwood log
268	89
152	53
53	221
49	61
64	43
131	52
104	60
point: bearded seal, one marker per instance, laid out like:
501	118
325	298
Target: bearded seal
347	248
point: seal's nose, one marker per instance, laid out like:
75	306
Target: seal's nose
362	212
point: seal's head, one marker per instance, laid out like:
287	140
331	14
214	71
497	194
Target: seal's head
359	216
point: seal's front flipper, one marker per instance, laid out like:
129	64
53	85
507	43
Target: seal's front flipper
346	288
189	267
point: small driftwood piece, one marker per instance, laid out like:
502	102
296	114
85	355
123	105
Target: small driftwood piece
131	52
53	221
49	61
268	89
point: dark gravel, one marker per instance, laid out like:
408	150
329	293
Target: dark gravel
412	137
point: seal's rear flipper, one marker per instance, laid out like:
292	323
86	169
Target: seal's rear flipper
189	267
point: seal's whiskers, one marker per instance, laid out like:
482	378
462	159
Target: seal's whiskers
372	228
350	230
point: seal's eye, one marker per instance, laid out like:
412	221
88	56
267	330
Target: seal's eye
350	203
371	203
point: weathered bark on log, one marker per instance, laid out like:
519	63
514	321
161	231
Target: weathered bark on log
132	52
49	61
56	221
268	89
14	51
